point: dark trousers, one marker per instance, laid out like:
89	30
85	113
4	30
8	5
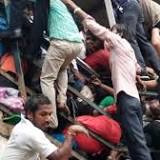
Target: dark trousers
40	24
132	18
16	13
148	51
130	116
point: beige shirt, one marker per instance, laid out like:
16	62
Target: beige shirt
151	11
123	63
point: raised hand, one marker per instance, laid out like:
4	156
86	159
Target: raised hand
75	129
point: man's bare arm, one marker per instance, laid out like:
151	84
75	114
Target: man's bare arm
89	22
64	152
79	12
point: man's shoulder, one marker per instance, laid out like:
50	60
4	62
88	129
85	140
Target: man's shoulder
27	129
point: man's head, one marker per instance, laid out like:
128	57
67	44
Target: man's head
93	44
153	108
120	29
38	110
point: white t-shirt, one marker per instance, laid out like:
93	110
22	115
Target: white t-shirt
27	142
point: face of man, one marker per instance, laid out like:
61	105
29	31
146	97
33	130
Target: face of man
92	45
153	108
42	117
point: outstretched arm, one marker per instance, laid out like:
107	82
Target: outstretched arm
89	22
76	9
64	152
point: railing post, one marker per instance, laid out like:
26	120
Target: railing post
17	58
110	13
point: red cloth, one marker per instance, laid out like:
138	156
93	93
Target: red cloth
7	63
112	109
98	60
104	126
89	144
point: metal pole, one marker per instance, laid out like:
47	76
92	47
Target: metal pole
17	58
110	13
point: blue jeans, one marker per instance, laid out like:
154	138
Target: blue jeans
130	116
148	51
132	18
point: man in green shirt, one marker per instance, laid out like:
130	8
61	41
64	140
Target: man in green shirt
65	45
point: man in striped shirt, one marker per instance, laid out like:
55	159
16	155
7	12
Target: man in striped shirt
124	66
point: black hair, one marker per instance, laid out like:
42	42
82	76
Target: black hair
121	29
94	38
34	102
98	43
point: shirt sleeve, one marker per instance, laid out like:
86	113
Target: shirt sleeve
97	29
42	145
100	31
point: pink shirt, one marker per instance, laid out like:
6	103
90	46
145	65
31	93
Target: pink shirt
123	63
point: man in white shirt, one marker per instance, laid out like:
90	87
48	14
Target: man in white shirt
27	140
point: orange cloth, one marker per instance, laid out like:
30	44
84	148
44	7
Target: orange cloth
7	63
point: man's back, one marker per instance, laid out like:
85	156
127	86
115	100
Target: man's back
61	23
151	11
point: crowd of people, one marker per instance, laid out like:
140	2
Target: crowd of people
122	55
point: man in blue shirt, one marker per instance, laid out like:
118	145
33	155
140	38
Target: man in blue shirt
16	8
129	13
